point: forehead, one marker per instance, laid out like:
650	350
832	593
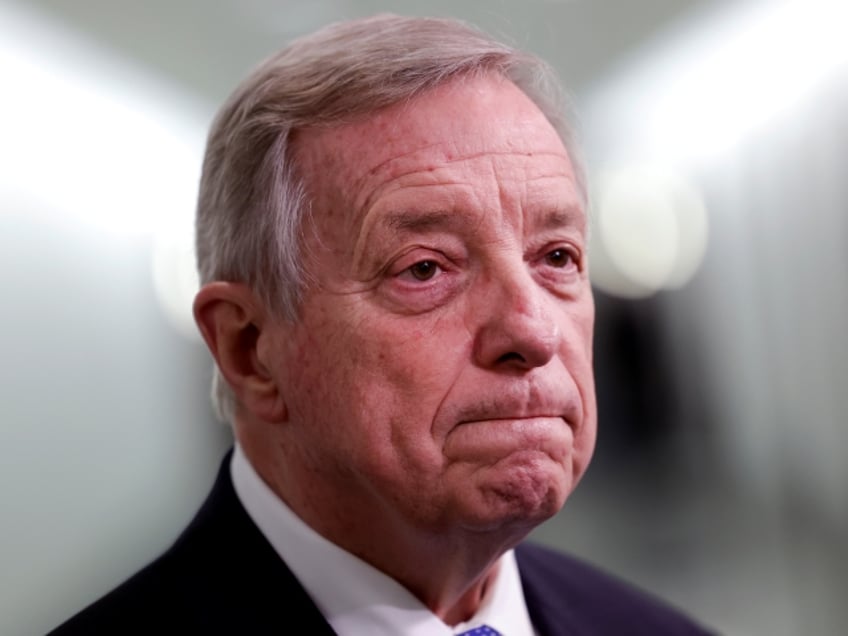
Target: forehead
461	119
471	131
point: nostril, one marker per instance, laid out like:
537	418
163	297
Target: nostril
512	355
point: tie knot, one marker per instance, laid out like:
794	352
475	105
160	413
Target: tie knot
482	630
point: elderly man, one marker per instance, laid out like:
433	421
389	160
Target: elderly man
392	244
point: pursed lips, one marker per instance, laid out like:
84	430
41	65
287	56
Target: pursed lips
535	397
522	406
500	436
470	416
511	418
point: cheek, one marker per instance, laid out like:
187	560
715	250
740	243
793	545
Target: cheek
382	374
315	366
420	359
408	372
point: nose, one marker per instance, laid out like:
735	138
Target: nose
517	323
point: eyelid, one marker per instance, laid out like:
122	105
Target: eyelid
411	295
401	266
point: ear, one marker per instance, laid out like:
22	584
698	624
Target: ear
232	319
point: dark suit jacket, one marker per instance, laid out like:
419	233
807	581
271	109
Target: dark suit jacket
222	577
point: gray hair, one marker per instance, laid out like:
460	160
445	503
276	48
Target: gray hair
252	200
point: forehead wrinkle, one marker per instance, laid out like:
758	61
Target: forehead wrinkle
433	182
397	157
432	168
444	218
448	159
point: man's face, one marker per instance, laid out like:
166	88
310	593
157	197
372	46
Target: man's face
440	374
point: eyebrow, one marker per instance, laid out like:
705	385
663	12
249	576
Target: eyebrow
571	215
420	221
405	222
417	221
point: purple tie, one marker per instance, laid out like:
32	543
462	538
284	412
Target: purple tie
483	630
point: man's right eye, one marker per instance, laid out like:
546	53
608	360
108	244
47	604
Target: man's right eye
423	270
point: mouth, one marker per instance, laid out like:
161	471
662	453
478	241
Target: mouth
506	435
528	426
537	411
511	418
523	425
521	402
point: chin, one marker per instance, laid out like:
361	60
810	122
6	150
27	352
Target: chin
522	495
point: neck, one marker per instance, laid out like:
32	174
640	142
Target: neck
449	575
448	569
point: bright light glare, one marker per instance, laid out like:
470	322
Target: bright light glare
175	279
695	95
638	226
759	65
101	144
91	145
690	101
651	231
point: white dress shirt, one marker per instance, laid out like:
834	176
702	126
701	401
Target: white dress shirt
353	596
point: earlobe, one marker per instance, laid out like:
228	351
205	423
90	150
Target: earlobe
231	319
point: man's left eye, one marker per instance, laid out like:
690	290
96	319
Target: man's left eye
560	257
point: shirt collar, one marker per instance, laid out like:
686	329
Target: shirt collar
355	597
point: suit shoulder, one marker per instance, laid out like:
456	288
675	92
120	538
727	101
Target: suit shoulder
561	589
220	575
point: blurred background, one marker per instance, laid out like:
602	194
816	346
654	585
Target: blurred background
717	139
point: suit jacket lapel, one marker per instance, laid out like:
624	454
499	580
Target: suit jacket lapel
254	590
544	597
